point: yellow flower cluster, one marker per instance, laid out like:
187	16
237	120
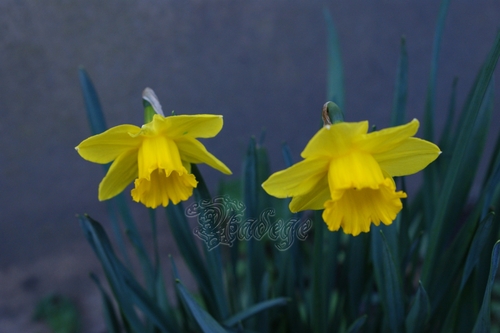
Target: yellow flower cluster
346	171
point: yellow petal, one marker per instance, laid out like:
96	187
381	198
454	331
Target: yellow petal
314	200
409	157
159	152
105	147
121	173
160	189
193	151
195	126
299	179
356	210
354	170
386	139
334	140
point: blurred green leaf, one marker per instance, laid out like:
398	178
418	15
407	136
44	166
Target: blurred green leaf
452	181
320	290
233	320
401	92
481	235
419	313
59	312
253	197
212	257
483	322
186	244
429	115
357	325
110	318
335	76
388	278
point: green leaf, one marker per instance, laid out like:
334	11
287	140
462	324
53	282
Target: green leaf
206	322
335	76
429	115
252	174
480	239
401	93
419	312
188	248
388	278
213	257
101	246
126	289
483	322
110	318
320	291
357	271
357	325
251	311
451	180
92	104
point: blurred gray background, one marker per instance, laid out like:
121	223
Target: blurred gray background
261	64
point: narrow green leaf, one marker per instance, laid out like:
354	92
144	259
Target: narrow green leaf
92	104
110	318
429	115
401	94
357	270
186	244
388	278
206	322
134	237
101	246
451	180
213	257
251	311
480	239
255	252
335	75
357	325
446	142
419	312
320	291
483	322
130	293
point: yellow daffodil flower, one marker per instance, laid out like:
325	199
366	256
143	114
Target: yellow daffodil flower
157	156
348	172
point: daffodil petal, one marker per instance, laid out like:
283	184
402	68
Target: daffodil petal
314	200
194	126
121	173
299	179
334	140
409	157
105	147
356	210
386	139
193	151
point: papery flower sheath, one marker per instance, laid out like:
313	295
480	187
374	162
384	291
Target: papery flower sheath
156	156
348	172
